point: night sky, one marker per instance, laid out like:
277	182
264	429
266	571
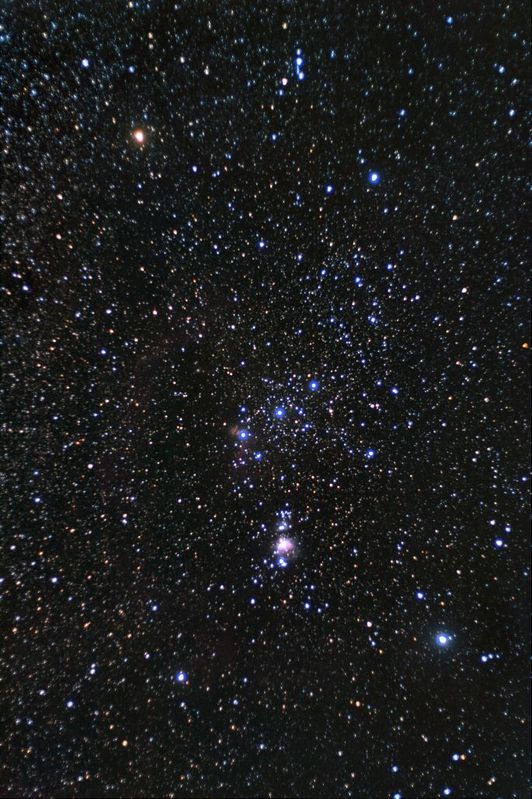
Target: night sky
264	478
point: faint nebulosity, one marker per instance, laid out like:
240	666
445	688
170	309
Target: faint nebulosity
265	413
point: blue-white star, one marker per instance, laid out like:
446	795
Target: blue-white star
442	639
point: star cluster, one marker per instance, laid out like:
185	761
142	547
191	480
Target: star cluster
264	386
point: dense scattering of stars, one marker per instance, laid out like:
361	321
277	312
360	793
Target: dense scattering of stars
265	344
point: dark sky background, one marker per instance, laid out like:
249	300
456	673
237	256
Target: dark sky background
264	477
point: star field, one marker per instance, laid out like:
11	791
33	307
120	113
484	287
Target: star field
264	377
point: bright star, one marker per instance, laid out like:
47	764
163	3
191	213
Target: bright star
374	177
